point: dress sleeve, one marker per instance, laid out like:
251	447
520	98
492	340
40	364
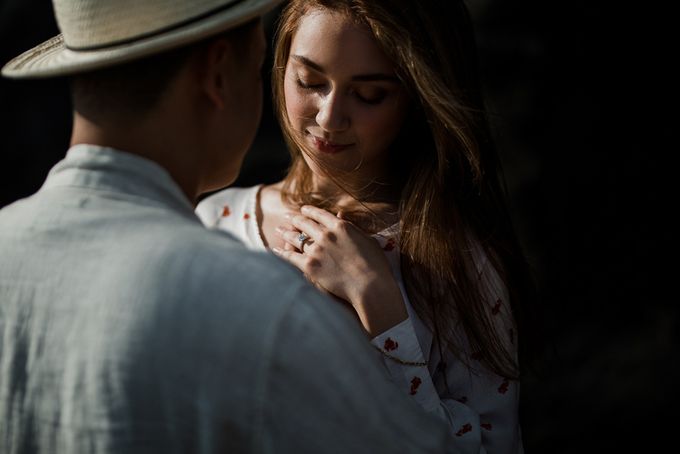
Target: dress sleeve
480	408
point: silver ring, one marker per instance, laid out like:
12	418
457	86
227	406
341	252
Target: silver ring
302	237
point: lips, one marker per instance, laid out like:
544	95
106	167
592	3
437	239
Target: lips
326	146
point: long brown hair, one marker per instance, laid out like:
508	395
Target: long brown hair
452	200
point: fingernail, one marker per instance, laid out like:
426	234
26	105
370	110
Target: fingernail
304	209
287	215
279	230
276	250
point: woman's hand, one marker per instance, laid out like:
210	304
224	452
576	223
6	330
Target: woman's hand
341	259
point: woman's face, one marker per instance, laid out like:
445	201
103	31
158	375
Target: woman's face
342	96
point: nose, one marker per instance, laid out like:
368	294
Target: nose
332	115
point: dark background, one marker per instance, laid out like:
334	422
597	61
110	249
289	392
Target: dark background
580	94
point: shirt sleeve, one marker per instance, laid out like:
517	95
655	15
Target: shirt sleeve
324	377
479	407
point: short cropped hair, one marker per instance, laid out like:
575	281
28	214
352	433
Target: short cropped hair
135	88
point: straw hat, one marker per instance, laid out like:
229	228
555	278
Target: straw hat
100	33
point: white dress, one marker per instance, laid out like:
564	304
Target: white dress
480	407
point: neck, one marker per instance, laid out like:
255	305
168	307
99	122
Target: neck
371	204
356	189
159	140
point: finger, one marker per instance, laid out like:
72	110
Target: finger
295	258
287	231
280	229
292	237
322	289
321	216
287	226
307	225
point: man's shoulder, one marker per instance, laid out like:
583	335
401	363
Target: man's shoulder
214	264
207	251
14	210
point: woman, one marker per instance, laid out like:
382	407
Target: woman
392	203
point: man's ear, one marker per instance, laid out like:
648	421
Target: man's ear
215	62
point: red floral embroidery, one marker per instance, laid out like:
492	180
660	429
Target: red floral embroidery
497	307
486	425
463	430
462	400
503	388
246	216
415	383
391	345
389	245
226	211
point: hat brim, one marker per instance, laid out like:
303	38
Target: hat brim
52	58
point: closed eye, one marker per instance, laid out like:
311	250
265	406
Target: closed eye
376	99
369	95
307	86
373	98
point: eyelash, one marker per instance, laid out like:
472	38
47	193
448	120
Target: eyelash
301	84
377	100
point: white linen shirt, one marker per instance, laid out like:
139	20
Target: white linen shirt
480	408
127	327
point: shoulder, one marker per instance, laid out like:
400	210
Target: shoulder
194	273
225	203
215	284
200	253
270	196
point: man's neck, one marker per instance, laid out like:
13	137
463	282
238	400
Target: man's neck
157	141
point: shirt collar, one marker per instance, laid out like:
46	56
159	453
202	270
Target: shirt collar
108	169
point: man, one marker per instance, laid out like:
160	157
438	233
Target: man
127	327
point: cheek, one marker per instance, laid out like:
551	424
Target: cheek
298	106
377	129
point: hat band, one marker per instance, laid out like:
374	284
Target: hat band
160	31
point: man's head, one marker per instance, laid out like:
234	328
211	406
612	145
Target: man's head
209	92
133	89
181	76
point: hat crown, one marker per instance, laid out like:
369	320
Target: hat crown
96	34
92	24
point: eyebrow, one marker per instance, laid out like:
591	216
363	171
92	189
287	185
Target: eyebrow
375	77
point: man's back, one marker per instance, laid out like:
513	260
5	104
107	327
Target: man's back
125	326
105	290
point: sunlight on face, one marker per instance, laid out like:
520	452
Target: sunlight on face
342	95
